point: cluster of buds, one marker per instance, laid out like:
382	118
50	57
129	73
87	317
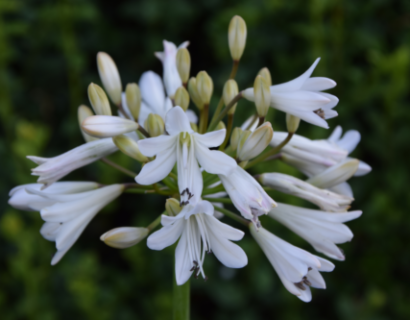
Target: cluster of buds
199	164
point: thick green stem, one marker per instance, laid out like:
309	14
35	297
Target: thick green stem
228	132
232	215
219	200
156	222
270	153
203	121
213	125
235	66
181	300
119	168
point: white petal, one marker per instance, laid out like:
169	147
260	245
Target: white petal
166	236
107	126
182	263
152	91
318	84
343	188
336	134
193	118
152	146
158	169
221	228
349	141
299	100
211	139
215	162
363	169
177	121
49	230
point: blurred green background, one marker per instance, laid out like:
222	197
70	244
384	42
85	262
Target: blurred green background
47	59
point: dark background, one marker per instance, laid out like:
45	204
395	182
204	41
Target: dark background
47	59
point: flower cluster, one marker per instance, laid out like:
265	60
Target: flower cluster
200	163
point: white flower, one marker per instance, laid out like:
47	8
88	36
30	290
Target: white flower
108	126
186	148
302	97
22	200
69	214
324	199
172	81
154	99
247	195
323	230
199	232
52	169
297	269
124	237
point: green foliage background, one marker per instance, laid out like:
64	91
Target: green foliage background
47	59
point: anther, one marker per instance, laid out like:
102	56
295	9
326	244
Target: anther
320	113
306	281
300	285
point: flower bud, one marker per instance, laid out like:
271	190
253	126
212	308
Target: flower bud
220	126
181	98
262	96
154	125
133	98
124	237
242	139
183	64
264	73
204	86
194	126
230	91
108	126
129	147
292	123
193	93
255	142
237	37
172	206
335	174
109	76
236	134
99	100
83	113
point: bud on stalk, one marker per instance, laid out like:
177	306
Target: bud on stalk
235	136
264	73
172	206
292	123
83	113
237	37
154	125
230	91
129	147
124	237
204	87
133	98
255	142
183	64
193	93
99	100
109	76
108	126
181	98
262	96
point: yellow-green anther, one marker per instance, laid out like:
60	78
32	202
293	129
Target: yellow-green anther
181	98
262	96
172	206
83	113
230	91
109	76
256	142
204	87
193	93
292	123
237	37
154	125
194	126
185	138
183	64
99	100
133	98
236	134
242	139
264	73
129	147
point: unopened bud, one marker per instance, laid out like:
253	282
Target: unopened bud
173	207
183	64
129	147
262	96
256	142
83	113
124	237
133	98
264	73
193	93
194	126
292	123
335	174
108	126
237	37
236	134
109	76
230	91
181	98
242	139
204	87
154	125
220	126
99	100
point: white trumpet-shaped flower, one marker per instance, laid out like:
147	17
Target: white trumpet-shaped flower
324	199
22	200
247	195
297	269
185	147
172	81
199	232
52	169
303	97
68	214
323	230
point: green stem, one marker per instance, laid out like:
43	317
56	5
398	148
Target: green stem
216	189
181	303
225	111
228	131
219	200
232	215
119	168
235	66
143	131
203	122
271	152
155	223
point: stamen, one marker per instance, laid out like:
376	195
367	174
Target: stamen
306	281
320	113
300	285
